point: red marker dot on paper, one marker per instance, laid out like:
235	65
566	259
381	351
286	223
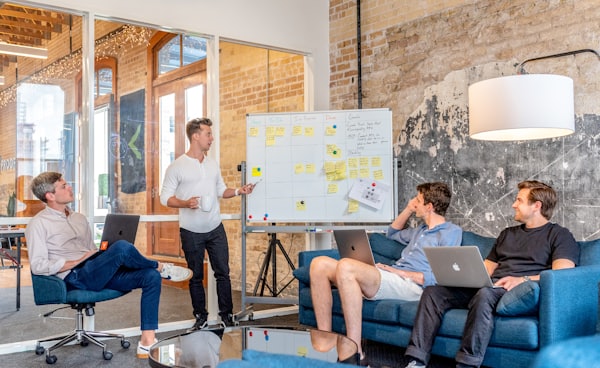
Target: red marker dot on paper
373	184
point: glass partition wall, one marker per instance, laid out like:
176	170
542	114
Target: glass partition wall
146	84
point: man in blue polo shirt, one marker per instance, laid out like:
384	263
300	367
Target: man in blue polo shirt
405	279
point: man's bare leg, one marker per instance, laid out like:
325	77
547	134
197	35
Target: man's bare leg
355	279
322	276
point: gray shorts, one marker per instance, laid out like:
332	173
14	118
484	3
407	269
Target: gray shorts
394	286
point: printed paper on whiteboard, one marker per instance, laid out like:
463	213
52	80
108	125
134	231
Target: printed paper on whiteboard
369	192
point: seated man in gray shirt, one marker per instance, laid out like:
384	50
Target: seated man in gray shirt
59	240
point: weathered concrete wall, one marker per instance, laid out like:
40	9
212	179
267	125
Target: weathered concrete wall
421	68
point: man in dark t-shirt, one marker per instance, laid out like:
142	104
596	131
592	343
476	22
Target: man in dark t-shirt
519	255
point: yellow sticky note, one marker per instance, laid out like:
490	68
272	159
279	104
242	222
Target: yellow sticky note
353	174
364	161
310	168
300	206
298	168
329	167
297	130
270	131
353	162
332	188
280	131
256	171
309	131
330	131
340	166
341	175
333	150
352	206
330	176
376	161
302	351
364	173
270	141
378	174
253	132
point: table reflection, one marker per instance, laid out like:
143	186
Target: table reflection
206	348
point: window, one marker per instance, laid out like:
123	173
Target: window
181	50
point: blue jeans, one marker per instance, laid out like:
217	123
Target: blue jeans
215	244
121	267
435	301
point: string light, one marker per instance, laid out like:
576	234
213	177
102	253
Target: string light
112	45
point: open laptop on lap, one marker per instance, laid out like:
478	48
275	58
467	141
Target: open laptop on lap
116	227
354	244
460	266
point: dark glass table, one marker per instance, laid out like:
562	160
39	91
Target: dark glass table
206	348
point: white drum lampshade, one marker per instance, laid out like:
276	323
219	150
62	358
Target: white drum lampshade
521	107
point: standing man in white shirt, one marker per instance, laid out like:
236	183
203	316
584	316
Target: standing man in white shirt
193	184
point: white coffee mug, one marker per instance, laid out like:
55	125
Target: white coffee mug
206	202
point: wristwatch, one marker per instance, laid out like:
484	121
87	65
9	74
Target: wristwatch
526	278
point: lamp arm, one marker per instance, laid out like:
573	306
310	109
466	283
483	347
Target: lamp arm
521	66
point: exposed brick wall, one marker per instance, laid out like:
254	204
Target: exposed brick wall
253	80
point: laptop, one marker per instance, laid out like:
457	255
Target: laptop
354	244
460	266
116	227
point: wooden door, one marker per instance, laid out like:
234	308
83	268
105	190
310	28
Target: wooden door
174	103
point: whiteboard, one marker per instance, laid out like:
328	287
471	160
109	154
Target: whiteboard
331	166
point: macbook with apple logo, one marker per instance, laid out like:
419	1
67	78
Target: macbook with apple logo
354	243
460	266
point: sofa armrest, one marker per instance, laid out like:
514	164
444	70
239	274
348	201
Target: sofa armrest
568	303
305	257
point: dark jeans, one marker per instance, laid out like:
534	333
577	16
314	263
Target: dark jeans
121	267
435	301
215	244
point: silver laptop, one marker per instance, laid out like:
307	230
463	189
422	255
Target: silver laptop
459	266
354	244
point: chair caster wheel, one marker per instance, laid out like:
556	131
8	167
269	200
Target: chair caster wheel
51	359
84	343
125	344
39	350
107	355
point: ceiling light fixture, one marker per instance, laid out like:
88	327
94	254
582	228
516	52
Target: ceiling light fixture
1	80
523	106
20	50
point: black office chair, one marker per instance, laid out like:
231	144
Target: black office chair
53	290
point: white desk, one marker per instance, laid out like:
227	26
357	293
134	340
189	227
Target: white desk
16	234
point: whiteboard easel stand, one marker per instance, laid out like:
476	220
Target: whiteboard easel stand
247	311
271	258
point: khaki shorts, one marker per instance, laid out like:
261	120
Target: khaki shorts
394	286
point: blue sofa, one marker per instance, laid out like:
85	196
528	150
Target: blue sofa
568	307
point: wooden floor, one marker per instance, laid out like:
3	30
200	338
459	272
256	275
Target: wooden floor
8	277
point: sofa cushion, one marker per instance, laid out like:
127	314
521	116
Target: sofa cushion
484	243
589	252
385	250
522	300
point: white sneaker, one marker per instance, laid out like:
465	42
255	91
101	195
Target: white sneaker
142	351
415	364
175	273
